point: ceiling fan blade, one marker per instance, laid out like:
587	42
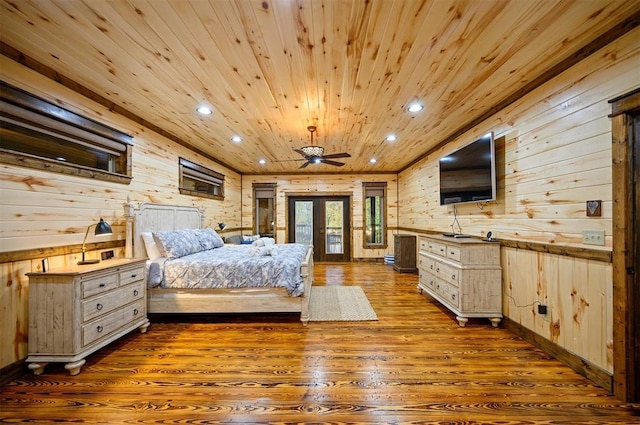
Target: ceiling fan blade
336	163
300	152
337	155
304	165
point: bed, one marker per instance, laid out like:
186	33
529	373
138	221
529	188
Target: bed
145	218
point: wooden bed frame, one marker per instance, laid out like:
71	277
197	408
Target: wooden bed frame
149	217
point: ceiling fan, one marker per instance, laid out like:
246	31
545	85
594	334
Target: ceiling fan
315	154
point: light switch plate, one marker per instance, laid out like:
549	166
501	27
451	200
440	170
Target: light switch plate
593	237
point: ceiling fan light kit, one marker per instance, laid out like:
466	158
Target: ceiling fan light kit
313	150
315	154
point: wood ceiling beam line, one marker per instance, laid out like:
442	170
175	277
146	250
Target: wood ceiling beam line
590	48
67	82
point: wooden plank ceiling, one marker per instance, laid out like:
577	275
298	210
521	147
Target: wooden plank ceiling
270	68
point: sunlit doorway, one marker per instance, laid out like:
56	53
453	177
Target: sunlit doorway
323	222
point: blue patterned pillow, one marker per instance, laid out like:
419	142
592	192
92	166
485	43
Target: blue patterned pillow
209	239
178	244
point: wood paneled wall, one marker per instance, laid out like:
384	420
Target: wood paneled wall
39	209
327	184
553	154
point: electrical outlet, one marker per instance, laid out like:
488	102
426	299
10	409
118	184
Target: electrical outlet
106	255
593	237
542	309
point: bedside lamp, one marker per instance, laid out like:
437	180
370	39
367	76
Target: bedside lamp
102	229
222	226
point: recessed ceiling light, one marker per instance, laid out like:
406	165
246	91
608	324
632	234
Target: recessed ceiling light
236	139
415	107
373	160
263	161
392	138
204	110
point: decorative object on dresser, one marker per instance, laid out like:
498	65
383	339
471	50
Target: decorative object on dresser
464	275
404	252
77	310
102	229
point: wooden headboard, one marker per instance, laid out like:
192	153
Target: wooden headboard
148	217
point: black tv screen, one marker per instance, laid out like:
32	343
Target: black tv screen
469	174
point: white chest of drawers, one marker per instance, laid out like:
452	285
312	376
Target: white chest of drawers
462	274
77	310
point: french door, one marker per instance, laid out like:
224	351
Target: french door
323	221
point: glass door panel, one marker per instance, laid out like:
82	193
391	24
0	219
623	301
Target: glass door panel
303	216
334	222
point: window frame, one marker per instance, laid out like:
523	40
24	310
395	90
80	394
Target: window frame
371	186
30	115
264	187
207	174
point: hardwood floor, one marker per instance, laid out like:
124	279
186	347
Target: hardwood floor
413	365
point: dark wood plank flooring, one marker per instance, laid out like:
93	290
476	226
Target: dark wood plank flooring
414	365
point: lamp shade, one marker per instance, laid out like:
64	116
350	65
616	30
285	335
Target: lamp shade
222	226
102	229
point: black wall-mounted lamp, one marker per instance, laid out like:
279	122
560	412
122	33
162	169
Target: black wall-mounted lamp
222	226
102	229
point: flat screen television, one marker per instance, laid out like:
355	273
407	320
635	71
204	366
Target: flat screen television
469	174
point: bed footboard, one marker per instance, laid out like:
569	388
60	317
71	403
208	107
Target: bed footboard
307	275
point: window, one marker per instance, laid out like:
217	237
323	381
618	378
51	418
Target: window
264	201
37	134
197	180
375	227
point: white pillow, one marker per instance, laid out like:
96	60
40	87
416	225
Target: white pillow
153	251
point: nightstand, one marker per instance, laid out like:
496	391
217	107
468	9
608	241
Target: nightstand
77	310
404	253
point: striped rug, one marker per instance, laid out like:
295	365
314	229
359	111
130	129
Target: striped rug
339	303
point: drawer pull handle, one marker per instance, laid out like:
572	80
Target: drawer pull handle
452	253
431	266
441	250
99	329
102	285
99	306
453	297
438	269
135	311
135	292
453	276
133	276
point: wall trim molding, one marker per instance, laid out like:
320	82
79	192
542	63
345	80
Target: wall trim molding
12	371
583	367
39	253
568	251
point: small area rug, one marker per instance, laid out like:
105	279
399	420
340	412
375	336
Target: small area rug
339	303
